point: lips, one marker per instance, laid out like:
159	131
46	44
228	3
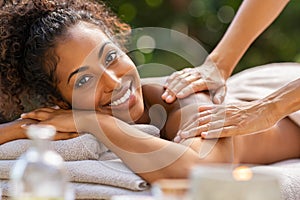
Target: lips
121	100
122	96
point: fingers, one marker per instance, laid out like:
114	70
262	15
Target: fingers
59	135
183	89
182	84
169	96
193	87
210	119
220	133
35	115
219	95
39	114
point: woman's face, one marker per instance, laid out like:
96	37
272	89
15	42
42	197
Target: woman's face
94	74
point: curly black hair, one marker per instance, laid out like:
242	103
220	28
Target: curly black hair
29	31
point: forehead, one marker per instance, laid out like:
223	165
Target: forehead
81	39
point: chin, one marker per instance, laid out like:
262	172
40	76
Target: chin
131	115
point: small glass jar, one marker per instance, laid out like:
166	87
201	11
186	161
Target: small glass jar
39	173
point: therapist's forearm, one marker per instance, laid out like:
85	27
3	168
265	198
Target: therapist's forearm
252	18
286	100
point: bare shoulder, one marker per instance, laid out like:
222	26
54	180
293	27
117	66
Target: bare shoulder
153	88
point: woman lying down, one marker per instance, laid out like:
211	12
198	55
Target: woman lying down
61	53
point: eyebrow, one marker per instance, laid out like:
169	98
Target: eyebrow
80	69
102	49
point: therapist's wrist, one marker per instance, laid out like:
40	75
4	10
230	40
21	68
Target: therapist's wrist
221	64
273	110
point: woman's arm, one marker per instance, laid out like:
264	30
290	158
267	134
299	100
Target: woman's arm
13	130
151	157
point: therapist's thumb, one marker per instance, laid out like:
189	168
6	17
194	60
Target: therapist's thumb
219	95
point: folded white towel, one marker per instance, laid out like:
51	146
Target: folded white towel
84	147
109	172
87	191
95	172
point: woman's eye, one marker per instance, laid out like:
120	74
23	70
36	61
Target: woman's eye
82	81
111	56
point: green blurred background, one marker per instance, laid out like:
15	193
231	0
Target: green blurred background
206	21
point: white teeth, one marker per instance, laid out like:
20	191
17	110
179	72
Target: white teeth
122	99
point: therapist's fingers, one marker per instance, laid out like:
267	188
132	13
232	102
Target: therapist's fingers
178	81
196	86
196	127
172	77
177	75
219	95
219	133
177	86
194	132
169	96
208	130
206	107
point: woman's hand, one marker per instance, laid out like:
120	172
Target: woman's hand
217	121
13	130
191	80
61	119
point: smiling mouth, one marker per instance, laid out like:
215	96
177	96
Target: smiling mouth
121	100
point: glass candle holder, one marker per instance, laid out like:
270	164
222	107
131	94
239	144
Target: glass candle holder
228	182
170	189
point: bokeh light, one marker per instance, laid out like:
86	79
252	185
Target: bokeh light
213	24
127	12
146	44
196	8
226	14
154	3
207	21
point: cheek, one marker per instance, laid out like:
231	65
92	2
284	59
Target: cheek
81	100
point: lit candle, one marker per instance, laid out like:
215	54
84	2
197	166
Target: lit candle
170	189
223	183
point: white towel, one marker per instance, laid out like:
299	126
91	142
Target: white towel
84	147
109	172
258	82
95	172
288	174
87	191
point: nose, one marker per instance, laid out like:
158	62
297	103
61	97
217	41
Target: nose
111	81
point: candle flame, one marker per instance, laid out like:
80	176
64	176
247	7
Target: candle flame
242	173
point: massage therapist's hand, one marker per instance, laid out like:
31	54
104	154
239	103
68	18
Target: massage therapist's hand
191	80
217	121
63	121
